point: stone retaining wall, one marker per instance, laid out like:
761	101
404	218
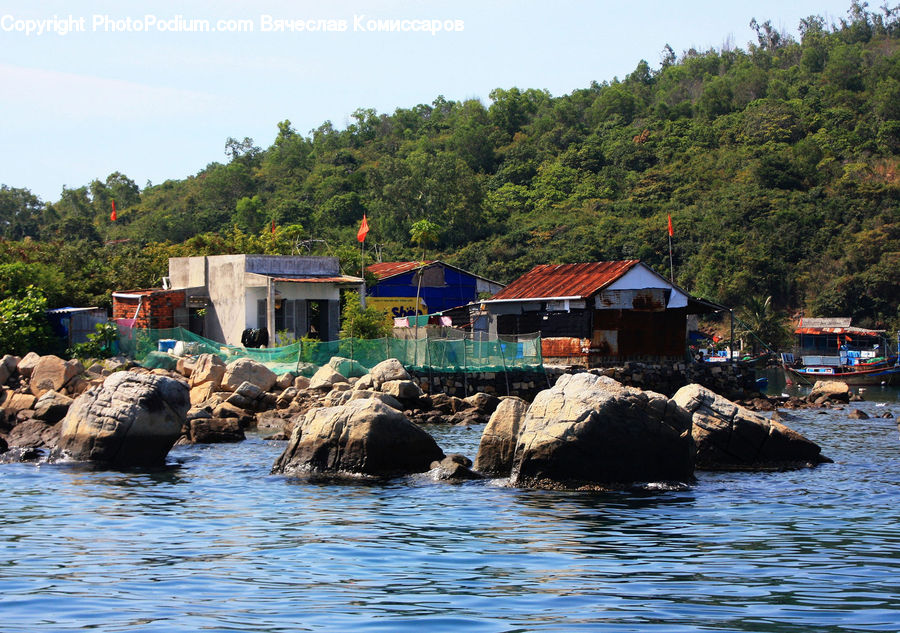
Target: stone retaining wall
728	380
524	384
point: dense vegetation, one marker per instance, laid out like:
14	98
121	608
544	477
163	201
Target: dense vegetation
778	165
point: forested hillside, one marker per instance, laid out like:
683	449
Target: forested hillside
778	165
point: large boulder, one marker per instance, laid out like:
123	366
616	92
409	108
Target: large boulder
829	390
325	378
362	437
251	397
387	370
402	389
26	365
15	402
49	373
591	431
8	365
347	367
483	402
498	440
208	369
730	437
202	392
131	419
247	370
52	407
33	434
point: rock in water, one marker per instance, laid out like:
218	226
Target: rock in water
829	390
730	437
589	430
361	437
131	419
498	440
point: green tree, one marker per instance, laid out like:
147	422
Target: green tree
359	322
760	325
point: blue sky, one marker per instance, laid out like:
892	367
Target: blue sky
159	104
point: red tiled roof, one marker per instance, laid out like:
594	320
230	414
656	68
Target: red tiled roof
565	280
389	269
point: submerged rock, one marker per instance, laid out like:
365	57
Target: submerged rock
730	437
453	468
131	419
589	430
362	437
216	430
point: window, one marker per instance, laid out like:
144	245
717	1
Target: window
290	316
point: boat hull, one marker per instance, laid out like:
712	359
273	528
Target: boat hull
883	376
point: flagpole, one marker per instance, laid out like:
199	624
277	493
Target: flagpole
671	265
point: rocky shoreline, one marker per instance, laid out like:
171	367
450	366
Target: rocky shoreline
588	431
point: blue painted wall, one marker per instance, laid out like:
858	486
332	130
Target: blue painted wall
459	289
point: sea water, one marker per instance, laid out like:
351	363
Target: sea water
213	542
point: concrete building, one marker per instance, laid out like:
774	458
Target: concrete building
222	296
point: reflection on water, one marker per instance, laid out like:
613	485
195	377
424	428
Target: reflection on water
216	542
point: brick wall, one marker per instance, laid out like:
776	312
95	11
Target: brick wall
157	308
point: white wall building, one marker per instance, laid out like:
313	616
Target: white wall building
300	295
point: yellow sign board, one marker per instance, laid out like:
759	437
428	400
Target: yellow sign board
398	306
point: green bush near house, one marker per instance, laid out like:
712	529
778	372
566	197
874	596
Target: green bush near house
23	323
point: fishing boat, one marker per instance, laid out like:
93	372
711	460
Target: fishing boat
834	350
808	374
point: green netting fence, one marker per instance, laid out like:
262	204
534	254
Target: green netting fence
161	347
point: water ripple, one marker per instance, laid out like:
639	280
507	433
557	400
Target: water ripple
213	542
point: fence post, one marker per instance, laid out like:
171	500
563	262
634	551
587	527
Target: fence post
503	360
465	367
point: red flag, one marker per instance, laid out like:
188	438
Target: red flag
671	232
363	230
112	216
273	227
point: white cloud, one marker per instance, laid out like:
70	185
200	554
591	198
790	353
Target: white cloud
84	97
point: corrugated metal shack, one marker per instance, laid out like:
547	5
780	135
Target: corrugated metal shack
442	287
597	314
826	336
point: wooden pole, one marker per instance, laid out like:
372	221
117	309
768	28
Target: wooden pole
671	265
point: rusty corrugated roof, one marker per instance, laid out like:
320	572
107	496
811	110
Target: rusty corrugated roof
825	322
389	269
341	279
858	331
565	280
